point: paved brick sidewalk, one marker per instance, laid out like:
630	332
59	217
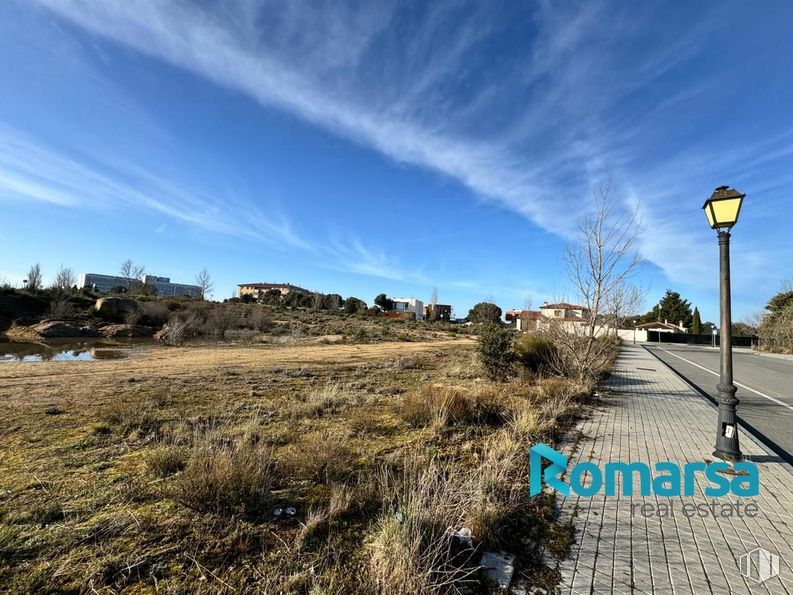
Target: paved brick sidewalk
650	415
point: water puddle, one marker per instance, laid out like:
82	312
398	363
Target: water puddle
61	352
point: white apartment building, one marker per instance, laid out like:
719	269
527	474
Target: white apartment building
409	305
162	285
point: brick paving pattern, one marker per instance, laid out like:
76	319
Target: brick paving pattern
648	414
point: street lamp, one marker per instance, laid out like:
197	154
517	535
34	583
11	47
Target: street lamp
722	210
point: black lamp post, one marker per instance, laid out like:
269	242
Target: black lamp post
722	209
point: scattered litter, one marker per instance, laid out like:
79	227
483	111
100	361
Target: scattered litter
499	568
400	518
279	512
463	536
291	511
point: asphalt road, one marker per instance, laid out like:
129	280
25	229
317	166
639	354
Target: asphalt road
765	387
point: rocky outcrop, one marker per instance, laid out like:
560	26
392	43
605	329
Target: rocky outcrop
50	329
115	308
130	331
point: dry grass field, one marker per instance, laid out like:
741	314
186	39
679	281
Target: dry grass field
173	470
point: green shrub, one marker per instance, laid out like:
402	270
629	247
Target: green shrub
495	351
535	352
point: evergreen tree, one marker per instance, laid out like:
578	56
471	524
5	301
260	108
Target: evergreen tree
673	309
696	323
495	351
384	302
353	305
485	312
778	303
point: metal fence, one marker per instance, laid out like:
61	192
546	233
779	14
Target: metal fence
689	339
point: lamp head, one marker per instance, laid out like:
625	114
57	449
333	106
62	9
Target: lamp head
723	207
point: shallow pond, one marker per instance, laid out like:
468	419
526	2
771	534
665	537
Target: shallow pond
65	351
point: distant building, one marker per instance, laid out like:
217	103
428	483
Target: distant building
162	285
565	311
663	327
409	305
442	312
257	290
526	320
571	315
103	283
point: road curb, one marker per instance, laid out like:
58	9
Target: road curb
754	434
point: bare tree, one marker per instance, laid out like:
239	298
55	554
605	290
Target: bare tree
528	302
35	279
64	279
131	272
204	281
624	301
600	264
434	304
755	319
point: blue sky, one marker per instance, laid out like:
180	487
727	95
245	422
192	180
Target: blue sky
360	148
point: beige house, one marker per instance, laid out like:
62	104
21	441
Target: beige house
257	290
566	312
572	316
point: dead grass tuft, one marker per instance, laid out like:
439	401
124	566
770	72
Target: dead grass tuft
411	548
324	457
130	416
164	462
47	513
10	542
310	531
441	406
227	480
327	399
340	500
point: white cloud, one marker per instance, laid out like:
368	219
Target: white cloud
534	134
311	66
30	171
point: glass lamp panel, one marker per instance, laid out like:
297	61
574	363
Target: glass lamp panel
709	213
725	211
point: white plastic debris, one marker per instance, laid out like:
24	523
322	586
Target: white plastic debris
463	536
499	568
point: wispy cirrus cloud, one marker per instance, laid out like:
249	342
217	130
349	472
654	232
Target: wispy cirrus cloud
29	170
345	70
533	130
